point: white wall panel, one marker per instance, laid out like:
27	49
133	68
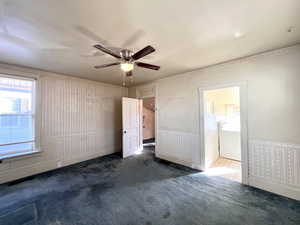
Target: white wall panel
177	146
275	162
79	120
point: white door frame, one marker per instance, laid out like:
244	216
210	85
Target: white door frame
150	94
141	124
244	125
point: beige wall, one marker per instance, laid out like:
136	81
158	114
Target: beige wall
77	120
221	98
273	110
148	123
273	88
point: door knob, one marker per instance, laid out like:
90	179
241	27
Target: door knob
124	132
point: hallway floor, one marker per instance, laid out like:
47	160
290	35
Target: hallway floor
227	168
139	190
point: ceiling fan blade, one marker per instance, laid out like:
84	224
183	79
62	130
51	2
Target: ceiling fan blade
107	65
145	51
148	66
129	73
103	49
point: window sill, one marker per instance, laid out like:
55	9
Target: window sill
19	154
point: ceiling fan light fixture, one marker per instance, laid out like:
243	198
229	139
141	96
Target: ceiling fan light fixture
127	66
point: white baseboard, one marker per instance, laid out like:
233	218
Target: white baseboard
281	189
178	161
43	166
26	171
273	166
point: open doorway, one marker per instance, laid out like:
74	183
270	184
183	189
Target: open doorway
222	132
148	121
138	125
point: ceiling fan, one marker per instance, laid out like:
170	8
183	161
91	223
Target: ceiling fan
128	59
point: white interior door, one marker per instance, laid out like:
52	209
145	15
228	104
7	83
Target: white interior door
131	126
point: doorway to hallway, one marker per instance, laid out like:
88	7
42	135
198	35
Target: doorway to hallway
148	123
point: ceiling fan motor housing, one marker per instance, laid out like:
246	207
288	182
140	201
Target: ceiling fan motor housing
126	54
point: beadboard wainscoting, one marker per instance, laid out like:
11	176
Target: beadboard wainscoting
275	167
77	120
178	147
82	118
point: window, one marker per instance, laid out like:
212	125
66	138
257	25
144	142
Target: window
17	116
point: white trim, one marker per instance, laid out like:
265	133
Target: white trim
277	188
19	77
18	154
156	119
17	143
141	124
244	125
176	160
15	114
37	112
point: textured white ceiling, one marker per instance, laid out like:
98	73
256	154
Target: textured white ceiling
58	35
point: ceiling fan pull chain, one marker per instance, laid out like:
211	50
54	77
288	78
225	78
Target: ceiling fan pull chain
124	77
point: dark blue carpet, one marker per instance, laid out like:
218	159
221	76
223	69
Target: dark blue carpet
139	190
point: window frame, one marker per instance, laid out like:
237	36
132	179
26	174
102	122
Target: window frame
34	149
